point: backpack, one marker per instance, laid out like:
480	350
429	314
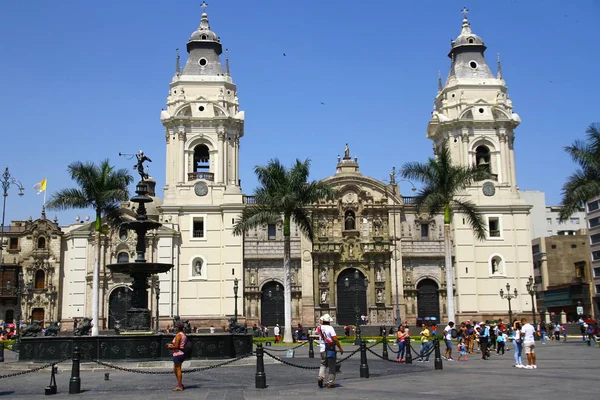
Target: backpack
187	348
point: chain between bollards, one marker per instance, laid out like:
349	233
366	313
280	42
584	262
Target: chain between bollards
75	381
385	348
364	367
261	378
438	354
311	350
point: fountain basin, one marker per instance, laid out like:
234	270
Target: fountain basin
132	347
133	268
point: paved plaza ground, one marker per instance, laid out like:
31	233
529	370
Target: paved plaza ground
568	370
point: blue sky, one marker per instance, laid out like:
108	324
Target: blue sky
87	80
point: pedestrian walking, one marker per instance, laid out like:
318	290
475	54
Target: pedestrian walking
327	344
402	336
177	346
528	332
425	343
276	333
543	330
500	344
462	350
484	340
448	340
518	346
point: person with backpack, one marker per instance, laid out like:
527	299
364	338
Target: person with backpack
327	343
178	346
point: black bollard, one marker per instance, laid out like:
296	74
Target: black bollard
1	352
385	347
364	368
407	351
311	350
438	354
51	388
261	378
107	376
75	381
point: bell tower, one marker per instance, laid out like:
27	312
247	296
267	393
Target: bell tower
202	194
473	114
473	117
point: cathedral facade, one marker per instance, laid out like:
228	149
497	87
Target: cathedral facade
372	253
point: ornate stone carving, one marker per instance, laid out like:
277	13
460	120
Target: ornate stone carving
324	296
323	274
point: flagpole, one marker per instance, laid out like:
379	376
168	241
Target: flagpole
45	190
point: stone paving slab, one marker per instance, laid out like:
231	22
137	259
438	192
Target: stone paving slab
565	370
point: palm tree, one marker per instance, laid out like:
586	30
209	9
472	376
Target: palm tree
102	188
284	192
584	183
443	184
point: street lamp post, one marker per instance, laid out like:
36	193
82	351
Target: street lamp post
157	292
7	181
508	296
235	295
356	286
532	292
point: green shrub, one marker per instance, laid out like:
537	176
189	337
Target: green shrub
8	344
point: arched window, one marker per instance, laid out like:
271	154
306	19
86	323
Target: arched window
40	279
41	243
349	221
123	234
122	257
201	158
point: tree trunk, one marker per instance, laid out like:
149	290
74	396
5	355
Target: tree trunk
287	282
449	274
96	280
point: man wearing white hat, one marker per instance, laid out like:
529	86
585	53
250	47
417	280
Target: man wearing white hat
327	343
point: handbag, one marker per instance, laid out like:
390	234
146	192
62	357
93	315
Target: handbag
329	347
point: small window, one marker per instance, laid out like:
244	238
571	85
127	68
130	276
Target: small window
40	279
424	231
597	272
123	234
203	37
594	222
596	255
593	205
473	64
573	246
494	227
202	62
553	246
595	238
198	228
535	248
549	221
122	257
471	40
41	243
574	220
271	231
598	289
13	243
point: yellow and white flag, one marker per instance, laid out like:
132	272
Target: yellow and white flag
40	186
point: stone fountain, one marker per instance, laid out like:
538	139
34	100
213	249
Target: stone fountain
139	342
138	316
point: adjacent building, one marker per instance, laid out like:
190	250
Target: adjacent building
561	273
545	220
593	220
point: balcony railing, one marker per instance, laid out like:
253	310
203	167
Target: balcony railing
207	176
494	233
249	200
408	199
198	233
